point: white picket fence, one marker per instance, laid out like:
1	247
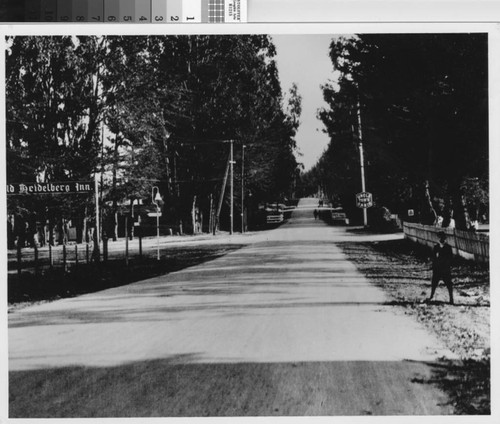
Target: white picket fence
467	244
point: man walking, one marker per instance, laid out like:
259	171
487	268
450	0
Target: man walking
441	266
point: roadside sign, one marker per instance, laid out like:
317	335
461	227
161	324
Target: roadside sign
154	214
64	187
364	200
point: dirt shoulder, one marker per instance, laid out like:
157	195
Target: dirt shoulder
403	270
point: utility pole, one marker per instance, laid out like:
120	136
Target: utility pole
97	253
242	188
102	182
221	198
362	163
231	161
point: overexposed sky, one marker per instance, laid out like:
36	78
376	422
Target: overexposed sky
304	59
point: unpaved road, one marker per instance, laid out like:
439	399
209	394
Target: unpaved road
284	326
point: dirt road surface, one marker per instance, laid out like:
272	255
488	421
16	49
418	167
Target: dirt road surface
283	326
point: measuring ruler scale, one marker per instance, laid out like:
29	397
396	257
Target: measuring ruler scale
125	11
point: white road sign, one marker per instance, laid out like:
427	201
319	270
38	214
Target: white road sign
364	200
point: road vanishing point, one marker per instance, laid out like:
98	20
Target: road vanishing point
285	326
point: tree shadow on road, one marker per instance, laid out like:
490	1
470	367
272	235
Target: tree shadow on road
185	386
467	384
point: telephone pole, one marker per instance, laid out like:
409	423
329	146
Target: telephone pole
231	162
242	188
97	252
221	198
362	162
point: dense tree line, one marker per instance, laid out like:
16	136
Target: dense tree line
146	111
423	102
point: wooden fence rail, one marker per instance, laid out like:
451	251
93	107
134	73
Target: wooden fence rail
38	259
467	244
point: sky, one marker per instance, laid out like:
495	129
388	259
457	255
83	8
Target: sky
304	59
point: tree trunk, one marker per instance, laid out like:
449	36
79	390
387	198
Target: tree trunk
115	204
431	214
131	221
85	230
462	219
51	231
79	232
65	230
193	215
115	223
60	231
211	216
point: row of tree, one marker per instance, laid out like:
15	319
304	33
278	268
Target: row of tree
423	104
144	112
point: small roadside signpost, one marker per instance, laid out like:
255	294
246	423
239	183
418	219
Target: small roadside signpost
55	188
364	200
64	187
156	199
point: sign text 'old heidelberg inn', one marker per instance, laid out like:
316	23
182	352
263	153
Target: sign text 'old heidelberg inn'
67	187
